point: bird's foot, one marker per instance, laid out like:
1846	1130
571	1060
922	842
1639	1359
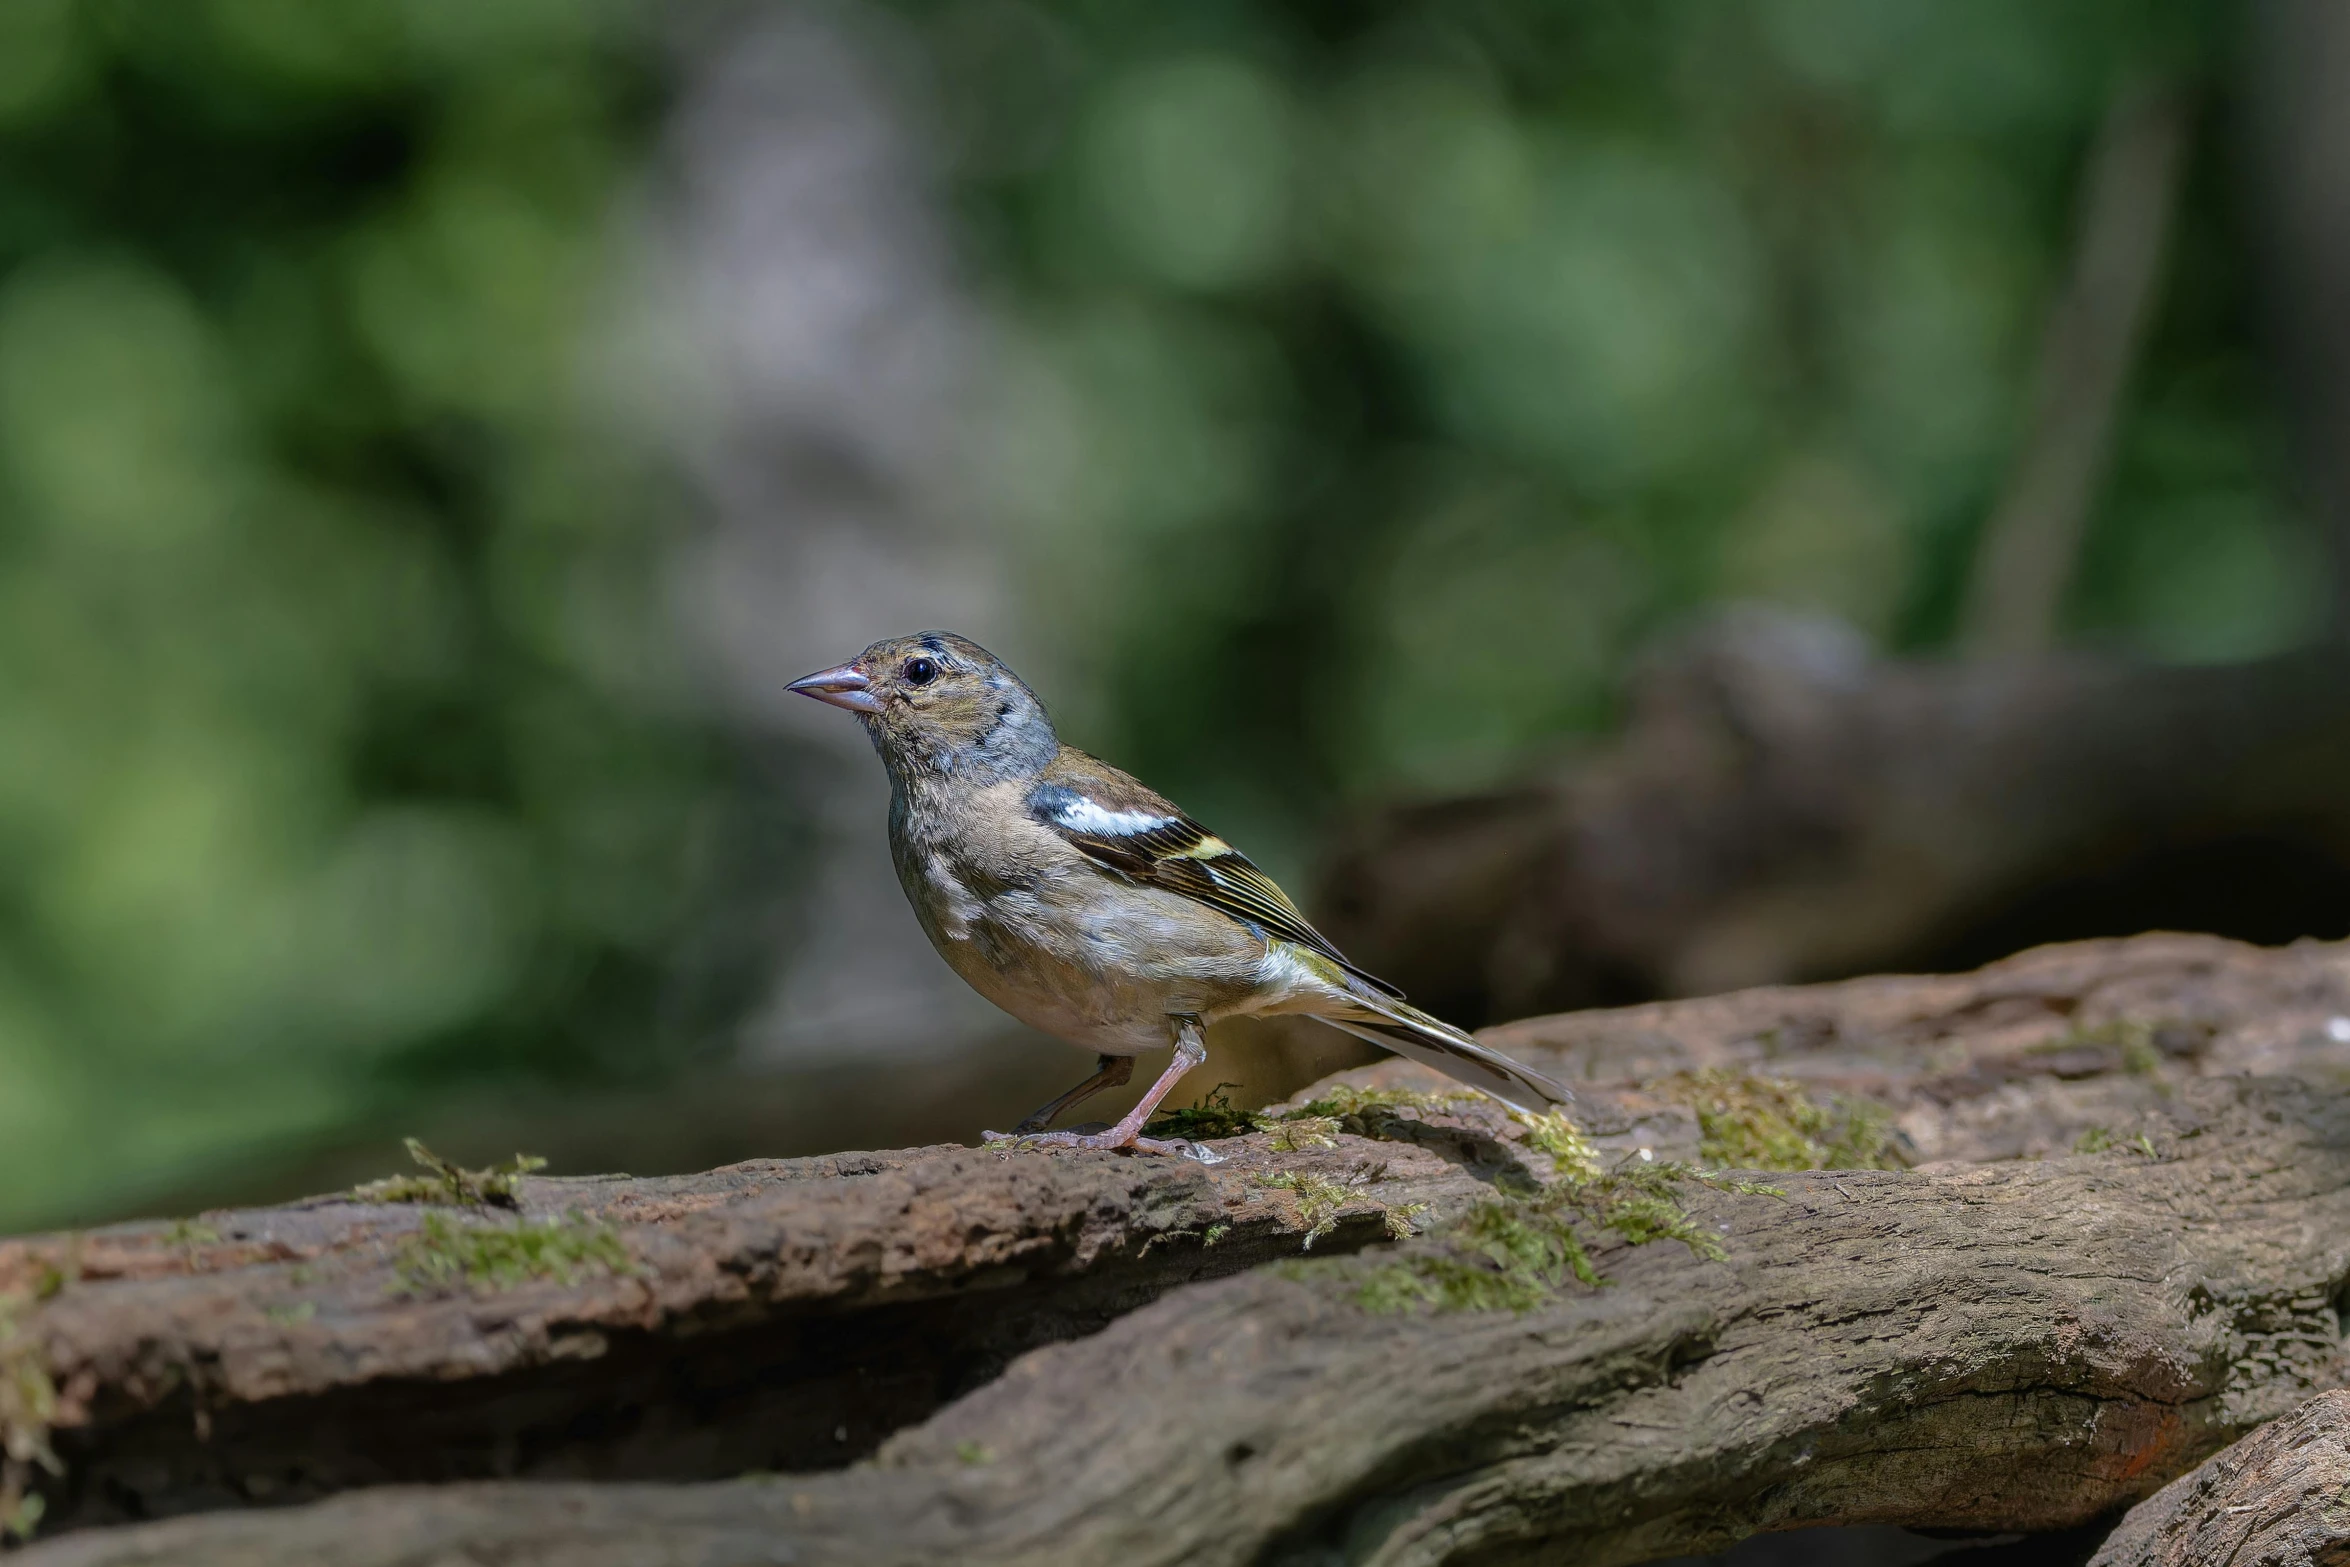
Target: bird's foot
1102	1142
1191	1049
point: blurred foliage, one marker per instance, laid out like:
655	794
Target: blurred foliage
337	743
1378	377
1399	368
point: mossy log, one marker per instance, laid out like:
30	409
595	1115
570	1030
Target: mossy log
2278	1498
1067	1357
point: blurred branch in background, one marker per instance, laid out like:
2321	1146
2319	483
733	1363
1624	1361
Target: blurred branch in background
2087	349
1782	806
2298	167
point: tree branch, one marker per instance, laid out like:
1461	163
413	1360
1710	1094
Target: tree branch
2026	557
2278	1498
2012	1345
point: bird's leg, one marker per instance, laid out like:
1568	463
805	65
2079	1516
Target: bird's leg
1110	1072
1191	1048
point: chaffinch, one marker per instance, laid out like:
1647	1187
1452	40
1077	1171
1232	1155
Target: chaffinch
1085	905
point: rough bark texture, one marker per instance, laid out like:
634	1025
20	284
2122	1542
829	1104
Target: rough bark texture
1781	806
2020	1344
2015	1061
2278	1498
772	1316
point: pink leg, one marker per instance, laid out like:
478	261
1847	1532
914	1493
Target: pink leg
1191	1048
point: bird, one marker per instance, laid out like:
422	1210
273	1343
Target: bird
1088	906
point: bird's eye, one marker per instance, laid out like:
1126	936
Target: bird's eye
920	671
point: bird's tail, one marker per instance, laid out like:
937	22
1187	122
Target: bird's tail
1405	1029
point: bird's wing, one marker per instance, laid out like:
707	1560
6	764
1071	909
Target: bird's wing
1124	827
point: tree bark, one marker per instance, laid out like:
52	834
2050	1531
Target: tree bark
2278	1498
1066	1370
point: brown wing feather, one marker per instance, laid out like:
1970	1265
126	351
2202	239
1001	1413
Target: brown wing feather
1172	852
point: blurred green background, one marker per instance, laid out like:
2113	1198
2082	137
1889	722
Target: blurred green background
1342	395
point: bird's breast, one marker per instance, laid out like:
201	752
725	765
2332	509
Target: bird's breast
1072	949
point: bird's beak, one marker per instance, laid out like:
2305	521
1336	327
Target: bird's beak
842	687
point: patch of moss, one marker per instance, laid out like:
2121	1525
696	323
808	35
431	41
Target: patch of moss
28	1406
1768	1123
2132	1038
1514	1252
445	1253
2099	1139
21	1517
1297	1134
1505	1255
447	1185
1212	1117
1364	1112
1368	1112
55	1274
1571	1153
1318	1200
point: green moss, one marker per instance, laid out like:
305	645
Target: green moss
28	1406
446	1184
973	1453
20	1517
1304	1132
2098	1139
1506	1254
1368	1112
1318	1200
1768	1123
1513	1253
445	1253
2132	1038
1212	1117
1642	1203
52	1277
1345	1100
1571	1153
1364	1112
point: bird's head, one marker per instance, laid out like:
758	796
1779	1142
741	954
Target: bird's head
938	703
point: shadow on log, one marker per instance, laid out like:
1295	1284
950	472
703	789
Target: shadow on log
1069	1357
